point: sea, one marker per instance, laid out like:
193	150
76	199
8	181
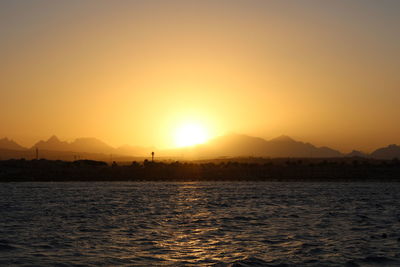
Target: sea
199	224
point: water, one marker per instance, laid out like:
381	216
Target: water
200	224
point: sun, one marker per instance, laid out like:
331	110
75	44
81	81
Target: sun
190	134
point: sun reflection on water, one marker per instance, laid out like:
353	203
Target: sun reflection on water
191	237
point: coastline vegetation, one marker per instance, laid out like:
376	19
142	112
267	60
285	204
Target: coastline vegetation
235	169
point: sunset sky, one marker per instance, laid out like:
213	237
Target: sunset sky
135	72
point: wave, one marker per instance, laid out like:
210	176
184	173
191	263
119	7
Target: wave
5	247
251	262
373	261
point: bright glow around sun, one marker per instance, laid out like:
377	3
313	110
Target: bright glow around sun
190	134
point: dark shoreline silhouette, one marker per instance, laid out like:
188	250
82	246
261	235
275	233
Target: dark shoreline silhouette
240	169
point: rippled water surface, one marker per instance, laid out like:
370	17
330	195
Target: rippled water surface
196	224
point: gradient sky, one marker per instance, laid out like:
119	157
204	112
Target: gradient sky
129	72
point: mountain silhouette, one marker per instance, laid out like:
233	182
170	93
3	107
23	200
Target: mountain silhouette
52	144
91	145
10	144
238	145
283	138
356	153
88	145
231	145
389	152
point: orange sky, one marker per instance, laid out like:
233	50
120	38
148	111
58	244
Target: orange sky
130	72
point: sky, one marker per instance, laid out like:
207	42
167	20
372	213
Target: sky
132	72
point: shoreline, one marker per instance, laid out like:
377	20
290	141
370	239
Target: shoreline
293	170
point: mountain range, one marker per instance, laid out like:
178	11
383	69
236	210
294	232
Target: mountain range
231	145
9	144
89	145
237	145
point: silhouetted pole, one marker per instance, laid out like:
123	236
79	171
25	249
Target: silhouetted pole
152	156
37	153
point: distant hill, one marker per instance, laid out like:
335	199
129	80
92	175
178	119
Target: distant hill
85	146
9	144
91	145
389	152
227	146
52	144
357	154
237	145
88	145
